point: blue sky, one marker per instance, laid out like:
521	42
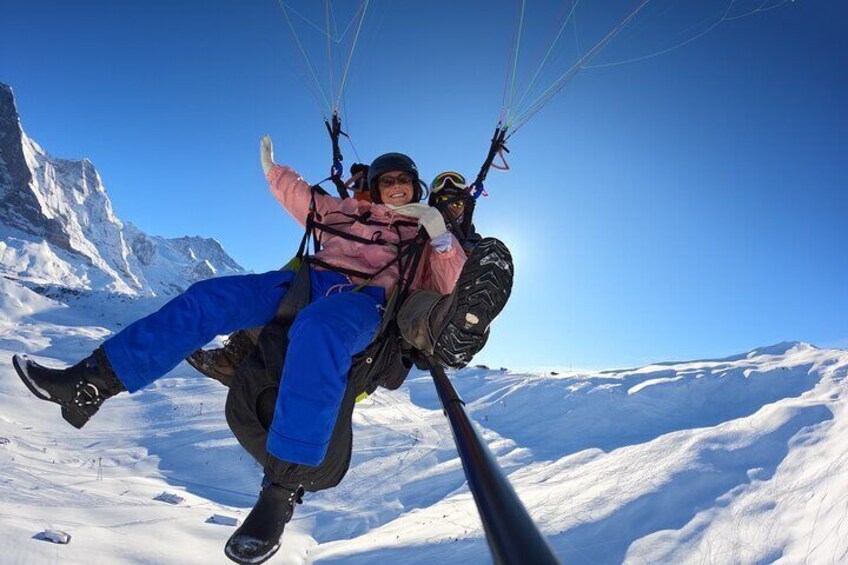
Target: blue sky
691	204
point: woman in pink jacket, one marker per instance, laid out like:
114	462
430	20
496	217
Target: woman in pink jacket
362	257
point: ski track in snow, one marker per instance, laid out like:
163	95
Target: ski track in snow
736	460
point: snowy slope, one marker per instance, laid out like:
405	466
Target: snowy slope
737	460
58	229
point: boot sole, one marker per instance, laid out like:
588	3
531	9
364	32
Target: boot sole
483	287
74	417
246	561
242	547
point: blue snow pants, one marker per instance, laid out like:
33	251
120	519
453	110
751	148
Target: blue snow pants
336	325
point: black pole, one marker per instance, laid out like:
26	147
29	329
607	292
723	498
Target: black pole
513	537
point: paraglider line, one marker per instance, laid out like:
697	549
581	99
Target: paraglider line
335	23
517	51
350	23
758	9
302	17
306	83
512	55
335	36
560	83
350	55
658	53
329	46
547	55
725	17
349	139
303	52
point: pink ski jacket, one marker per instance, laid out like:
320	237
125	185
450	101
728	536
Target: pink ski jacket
436	271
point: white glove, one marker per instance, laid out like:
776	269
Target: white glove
442	243
266	154
432	221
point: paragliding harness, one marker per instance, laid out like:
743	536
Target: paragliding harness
382	365
384	362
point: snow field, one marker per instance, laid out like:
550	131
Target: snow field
736	460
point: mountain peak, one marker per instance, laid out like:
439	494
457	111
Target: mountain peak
7	101
19	207
65	204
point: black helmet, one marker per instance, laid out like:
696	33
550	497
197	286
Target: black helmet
392	162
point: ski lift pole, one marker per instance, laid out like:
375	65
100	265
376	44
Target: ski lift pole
513	537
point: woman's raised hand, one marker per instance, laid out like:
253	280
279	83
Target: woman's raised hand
266	153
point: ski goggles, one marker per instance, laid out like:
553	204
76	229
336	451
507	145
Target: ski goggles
448	178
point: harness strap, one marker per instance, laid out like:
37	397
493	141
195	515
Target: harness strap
406	248
304	241
365	219
334	128
312	260
413	248
376	238
467	219
328	228
497	147
400	292
298	295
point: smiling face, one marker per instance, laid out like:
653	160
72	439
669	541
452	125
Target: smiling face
395	187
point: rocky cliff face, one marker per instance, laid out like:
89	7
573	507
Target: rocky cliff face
57	227
18	207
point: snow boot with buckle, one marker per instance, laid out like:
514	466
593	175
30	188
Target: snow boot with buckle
258	538
79	390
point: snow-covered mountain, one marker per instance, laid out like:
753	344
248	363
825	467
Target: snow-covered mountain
58	231
735	460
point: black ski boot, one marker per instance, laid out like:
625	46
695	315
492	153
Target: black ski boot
480	294
79	390
258	538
